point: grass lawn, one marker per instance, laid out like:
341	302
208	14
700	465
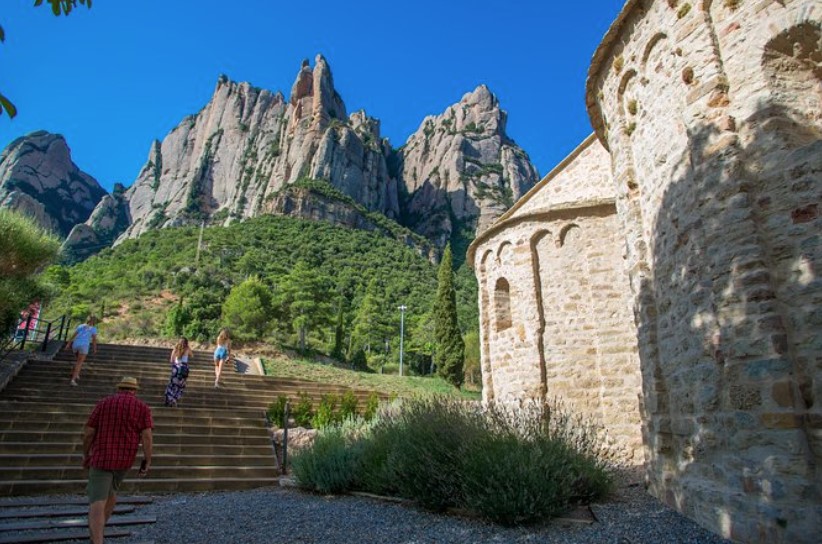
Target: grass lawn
402	386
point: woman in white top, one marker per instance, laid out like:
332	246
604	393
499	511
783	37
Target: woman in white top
179	372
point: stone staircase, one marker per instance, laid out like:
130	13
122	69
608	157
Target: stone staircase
217	439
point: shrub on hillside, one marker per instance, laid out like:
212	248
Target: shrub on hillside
326	414
24	249
348	406
443	453
247	309
371	406
303	411
276	411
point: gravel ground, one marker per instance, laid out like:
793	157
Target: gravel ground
288	515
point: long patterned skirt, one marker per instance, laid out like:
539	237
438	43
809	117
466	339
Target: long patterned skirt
177	383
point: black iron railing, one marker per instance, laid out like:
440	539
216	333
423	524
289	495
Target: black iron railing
31	332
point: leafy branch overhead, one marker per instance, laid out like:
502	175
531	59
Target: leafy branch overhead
58	7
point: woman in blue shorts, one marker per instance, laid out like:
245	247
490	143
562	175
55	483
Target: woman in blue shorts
84	336
221	354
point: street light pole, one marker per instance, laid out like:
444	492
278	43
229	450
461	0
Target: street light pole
402	327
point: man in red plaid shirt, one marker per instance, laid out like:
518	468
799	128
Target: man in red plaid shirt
112	435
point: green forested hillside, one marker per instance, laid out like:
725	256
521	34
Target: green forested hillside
270	278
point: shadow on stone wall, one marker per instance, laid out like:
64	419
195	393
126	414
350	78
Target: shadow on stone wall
735	291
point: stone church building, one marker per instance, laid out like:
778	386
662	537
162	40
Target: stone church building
664	279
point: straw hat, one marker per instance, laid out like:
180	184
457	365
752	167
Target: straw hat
128	383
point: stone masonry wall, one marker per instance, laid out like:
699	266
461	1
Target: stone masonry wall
555	312
711	112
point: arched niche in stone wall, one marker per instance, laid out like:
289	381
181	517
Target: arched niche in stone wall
502	305
792	62
505	254
487	364
570	235
538	239
784	142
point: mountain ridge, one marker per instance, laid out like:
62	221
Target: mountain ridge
228	161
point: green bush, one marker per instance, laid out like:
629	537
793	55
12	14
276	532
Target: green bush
25	248
429	437
348	406
540	468
303	410
371	406
509	466
326	414
276	411
326	467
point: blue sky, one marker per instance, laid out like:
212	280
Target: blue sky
114	78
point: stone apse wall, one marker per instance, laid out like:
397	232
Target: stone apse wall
554	305
704	223
712	113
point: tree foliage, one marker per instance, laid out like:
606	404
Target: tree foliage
158	272
25	248
450	347
304	296
372	325
247	309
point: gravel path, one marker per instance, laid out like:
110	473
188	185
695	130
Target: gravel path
288	515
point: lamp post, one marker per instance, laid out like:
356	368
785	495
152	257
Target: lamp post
402	327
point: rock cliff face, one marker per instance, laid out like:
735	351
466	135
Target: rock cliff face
38	177
461	166
248	143
107	222
238	155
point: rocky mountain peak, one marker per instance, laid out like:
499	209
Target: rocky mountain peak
38	177
240	155
303	85
462	166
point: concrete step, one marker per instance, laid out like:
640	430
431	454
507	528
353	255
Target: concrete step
159	459
215	440
258	437
77	472
93	374
143	485
67	448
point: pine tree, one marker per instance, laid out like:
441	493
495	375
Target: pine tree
247	309
305	294
339	331
371	327
450	346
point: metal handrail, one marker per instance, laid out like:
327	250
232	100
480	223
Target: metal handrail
42	332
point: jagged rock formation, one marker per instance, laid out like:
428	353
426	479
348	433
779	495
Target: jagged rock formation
108	221
462	166
247	143
38	177
234	158
319	201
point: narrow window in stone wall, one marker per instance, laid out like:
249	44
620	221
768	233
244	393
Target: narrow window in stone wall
502	304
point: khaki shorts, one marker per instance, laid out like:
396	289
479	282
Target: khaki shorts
103	484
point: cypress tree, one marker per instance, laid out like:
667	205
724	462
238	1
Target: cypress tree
450	349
